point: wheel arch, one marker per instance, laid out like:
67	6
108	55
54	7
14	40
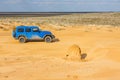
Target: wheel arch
21	36
46	36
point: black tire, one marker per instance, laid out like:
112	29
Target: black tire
48	39
22	39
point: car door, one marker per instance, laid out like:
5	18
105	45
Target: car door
28	33
35	33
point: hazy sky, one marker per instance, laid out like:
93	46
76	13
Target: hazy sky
58	5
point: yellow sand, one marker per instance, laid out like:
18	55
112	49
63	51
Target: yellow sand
45	61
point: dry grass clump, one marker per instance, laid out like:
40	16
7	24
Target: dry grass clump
64	20
74	53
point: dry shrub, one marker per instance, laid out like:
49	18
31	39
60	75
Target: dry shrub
74	53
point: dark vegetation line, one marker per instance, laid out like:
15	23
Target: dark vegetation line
42	14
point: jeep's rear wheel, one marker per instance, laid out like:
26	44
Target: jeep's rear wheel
22	39
48	39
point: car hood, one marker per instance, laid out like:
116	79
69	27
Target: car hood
46	32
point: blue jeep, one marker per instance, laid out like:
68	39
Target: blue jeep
25	33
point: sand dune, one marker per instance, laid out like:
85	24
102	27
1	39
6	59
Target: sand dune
46	61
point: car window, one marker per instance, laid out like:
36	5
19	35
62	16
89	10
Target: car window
20	30
28	30
35	30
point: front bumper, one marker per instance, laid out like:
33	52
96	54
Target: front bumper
53	37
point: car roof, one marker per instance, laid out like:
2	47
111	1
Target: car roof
26	27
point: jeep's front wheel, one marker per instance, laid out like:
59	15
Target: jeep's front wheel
22	39
48	39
